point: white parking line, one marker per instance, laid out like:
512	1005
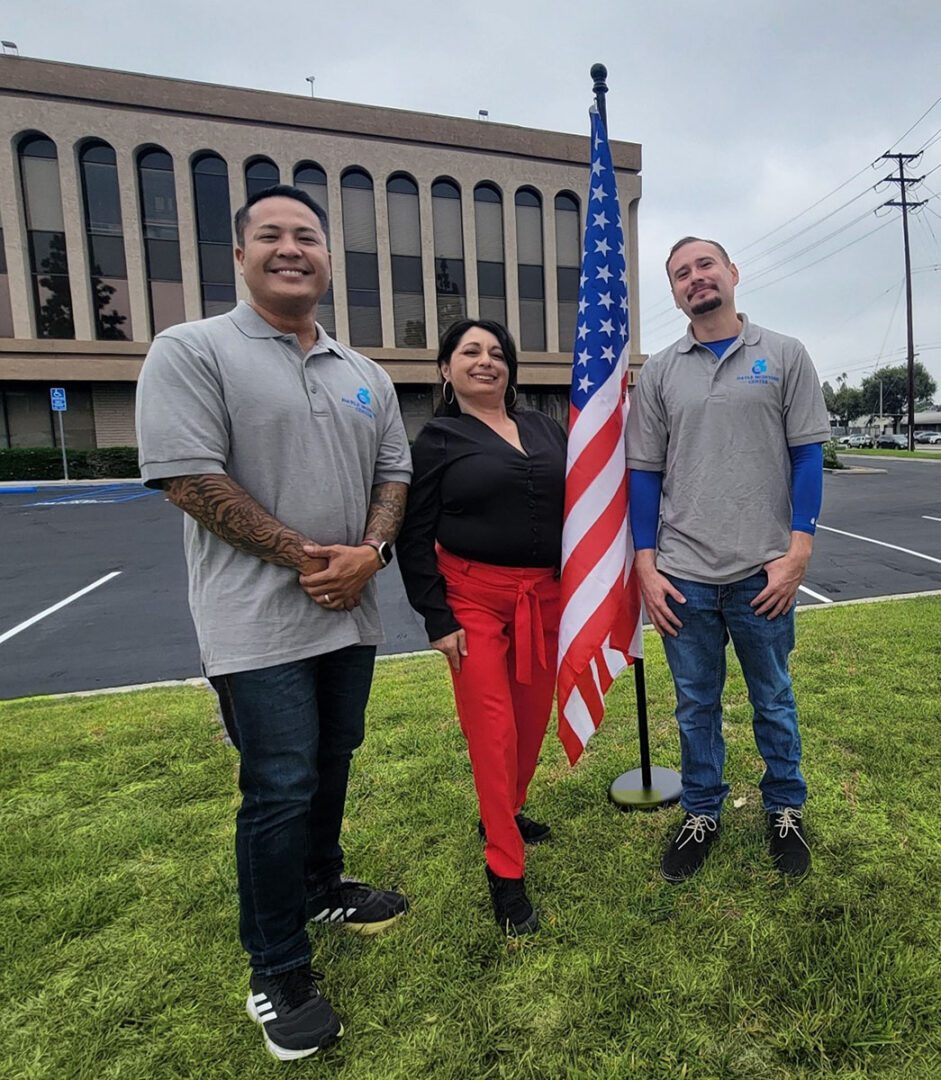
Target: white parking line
928	517
55	607
815	595
881	543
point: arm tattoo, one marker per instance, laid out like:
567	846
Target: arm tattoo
386	510
226	509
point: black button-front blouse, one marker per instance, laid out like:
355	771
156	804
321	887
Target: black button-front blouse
480	498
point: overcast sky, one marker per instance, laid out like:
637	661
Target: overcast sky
748	112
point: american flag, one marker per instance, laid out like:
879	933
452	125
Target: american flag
600	628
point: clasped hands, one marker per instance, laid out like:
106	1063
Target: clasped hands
335	575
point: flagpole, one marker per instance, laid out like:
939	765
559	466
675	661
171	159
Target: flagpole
646	788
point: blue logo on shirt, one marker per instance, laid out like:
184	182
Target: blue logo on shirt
362	396
759	367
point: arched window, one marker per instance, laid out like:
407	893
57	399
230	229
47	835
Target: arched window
48	259
568	266
260	173
362	260
530	269
491	271
311	178
214	234
450	288
6	310
161	238
408	294
104	235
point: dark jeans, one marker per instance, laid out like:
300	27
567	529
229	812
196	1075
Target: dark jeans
711	615
295	726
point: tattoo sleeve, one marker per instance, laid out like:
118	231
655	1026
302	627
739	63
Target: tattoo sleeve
225	508
386	510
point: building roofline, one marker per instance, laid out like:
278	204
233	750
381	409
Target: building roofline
209	101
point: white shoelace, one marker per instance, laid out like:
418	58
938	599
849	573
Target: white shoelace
697	828
786	821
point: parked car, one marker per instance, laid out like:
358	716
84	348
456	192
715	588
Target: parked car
932	438
843	440
892	442
856	441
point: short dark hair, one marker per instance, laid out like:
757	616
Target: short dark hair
696	240
276	191
449	342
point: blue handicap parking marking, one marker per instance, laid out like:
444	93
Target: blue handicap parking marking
109	493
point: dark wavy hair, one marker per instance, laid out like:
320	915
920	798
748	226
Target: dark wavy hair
449	342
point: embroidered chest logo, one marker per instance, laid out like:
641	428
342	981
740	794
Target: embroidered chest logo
759	374
362	403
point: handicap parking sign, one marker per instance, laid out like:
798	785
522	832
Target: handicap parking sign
57	399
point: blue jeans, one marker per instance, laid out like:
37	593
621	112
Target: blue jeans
295	726
711	616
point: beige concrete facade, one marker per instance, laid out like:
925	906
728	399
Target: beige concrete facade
70	105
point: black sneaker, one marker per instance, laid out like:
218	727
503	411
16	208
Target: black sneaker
532	832
787	841
295	1017
514	913
357	906
689	848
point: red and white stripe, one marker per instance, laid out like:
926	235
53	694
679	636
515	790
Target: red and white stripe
600	629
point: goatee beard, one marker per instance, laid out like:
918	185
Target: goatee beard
706	306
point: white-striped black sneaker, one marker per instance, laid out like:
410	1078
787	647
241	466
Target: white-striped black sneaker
296	1018
356	906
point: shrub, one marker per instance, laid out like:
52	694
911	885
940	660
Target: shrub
45	463
830	460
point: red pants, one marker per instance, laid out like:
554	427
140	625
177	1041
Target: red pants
504	688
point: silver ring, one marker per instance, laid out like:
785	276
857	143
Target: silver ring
326	597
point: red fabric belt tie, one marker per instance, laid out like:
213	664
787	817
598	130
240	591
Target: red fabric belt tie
527	621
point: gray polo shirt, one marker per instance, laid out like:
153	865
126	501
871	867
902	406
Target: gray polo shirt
306	435
719	431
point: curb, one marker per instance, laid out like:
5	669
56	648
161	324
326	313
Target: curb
166	684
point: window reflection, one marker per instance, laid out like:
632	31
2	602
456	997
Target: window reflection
6	311
451	292
105	240
530	270
408	293
491	272
362	261
49	264
568	266
161	238
260	173
214	234
311	178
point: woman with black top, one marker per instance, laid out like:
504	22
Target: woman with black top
480	551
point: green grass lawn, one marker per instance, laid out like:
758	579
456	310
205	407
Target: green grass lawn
924	455
118	910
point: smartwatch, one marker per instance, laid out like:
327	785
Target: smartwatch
382	549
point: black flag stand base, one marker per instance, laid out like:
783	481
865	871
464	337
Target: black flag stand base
646	788
629	792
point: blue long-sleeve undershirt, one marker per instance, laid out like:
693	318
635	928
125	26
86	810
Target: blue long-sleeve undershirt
806	496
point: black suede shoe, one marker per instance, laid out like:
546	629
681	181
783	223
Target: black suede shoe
532	832
787	842
296	1018
689	848
511	907
355	905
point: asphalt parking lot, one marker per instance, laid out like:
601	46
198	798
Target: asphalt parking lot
93	584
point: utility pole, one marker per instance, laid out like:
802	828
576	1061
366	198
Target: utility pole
903	202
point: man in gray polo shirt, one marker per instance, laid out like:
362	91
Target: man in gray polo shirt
724	438
287	453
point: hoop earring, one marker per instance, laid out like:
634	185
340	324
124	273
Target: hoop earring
444	392
512	404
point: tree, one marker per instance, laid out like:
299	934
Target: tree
828	397
895	391
847	404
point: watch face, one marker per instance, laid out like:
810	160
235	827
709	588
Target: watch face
385	553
